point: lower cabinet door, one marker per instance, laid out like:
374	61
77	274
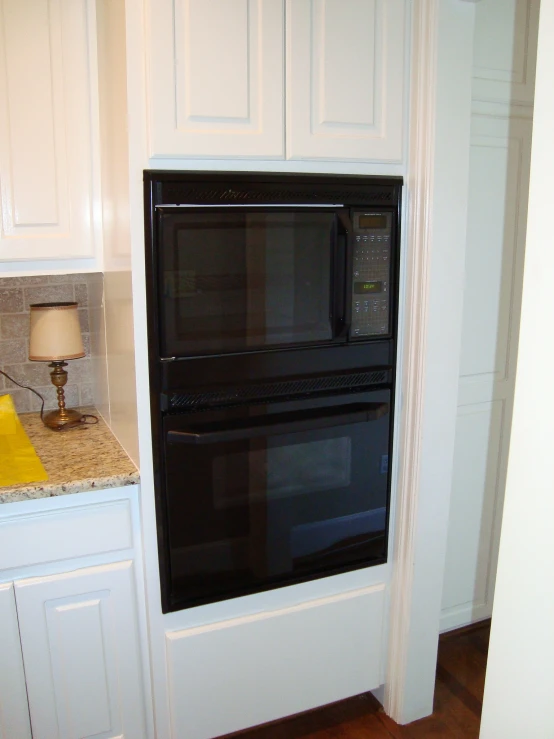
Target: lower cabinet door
81	651
14	711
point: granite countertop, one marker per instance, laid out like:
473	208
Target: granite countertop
76	461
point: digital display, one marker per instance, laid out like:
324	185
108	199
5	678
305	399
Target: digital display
361	288
372	221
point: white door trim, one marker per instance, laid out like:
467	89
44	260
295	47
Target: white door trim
437	189
419	185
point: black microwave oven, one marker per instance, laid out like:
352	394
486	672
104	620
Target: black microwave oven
249	263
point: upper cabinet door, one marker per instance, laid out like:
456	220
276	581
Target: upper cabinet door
345	79
216	78
46	134
505	51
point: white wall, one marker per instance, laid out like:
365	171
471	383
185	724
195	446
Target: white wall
117	401
520	678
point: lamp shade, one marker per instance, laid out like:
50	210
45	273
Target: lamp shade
55	332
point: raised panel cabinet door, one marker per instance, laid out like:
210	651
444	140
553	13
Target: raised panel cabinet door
500	157
216	78
81	651
14	711
46	134
505	50
345	79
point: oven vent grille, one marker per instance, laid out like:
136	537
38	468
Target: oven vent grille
181	195
278	390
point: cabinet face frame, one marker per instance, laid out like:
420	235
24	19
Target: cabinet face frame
216	79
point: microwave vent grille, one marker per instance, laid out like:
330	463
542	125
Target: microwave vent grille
178	194
278	390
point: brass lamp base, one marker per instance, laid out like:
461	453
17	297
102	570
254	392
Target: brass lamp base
56	419
61	417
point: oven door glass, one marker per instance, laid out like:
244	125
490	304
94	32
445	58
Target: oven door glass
276	494
240	279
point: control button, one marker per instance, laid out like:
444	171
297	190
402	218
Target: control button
358	238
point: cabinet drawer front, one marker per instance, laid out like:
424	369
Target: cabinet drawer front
65	534
246	671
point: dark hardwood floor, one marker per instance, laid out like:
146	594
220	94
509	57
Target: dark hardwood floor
457	711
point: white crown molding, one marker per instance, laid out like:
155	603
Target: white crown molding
419	183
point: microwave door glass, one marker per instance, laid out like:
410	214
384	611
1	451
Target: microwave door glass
243	280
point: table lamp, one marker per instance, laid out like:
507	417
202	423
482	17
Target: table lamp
54	337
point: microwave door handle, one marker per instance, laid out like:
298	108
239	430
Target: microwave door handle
343	289
293	423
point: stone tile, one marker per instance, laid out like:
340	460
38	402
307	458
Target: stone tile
81	294
51	398
48	294
86	343
86	395
13	351
84	320
14	326
79	370
58	279
21	400
11	300
38	373
29	373
9	282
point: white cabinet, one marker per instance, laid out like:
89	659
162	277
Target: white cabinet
505	51
72	622
46	131
14	713
503	72
345	71
216	78
217	71
229	675
80	645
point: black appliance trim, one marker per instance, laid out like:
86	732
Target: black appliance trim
182	402
255	188
284	423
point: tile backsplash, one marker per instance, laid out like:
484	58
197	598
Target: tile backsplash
16	294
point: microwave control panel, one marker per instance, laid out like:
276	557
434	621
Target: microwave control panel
372	233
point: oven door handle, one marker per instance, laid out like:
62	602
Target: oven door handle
285	423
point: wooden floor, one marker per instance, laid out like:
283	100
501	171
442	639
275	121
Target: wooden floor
458	700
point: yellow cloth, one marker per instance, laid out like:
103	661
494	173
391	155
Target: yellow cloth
18	460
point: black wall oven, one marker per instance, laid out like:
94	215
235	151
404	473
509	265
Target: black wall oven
272	308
